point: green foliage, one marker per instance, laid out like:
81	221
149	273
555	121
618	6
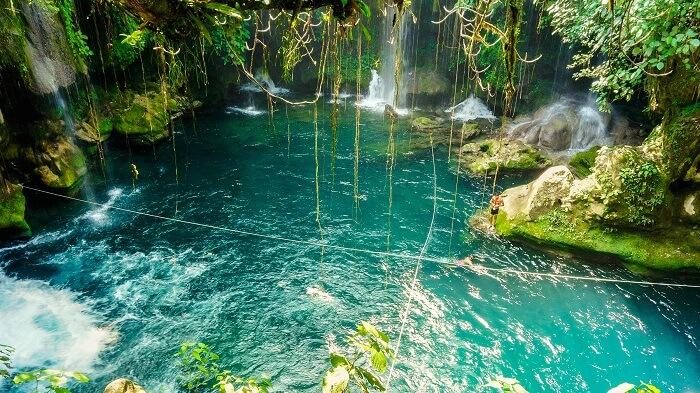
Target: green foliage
128	41
370	354
50	380
228	42
200	372
637	39
582	162
76	39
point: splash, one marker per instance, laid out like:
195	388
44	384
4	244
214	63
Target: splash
267	82
319	293
248	110
48	327
470	109
99	215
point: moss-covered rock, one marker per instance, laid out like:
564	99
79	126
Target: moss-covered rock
145	118
508	155
676	248
12	204
582	162
42	155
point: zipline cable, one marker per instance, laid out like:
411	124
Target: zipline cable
442	261
412	290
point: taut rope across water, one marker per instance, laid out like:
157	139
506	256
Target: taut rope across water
442	261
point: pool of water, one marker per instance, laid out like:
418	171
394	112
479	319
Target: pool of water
114	294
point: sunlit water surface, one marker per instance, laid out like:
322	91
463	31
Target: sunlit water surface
114	294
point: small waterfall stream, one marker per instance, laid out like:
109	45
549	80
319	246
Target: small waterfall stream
385	81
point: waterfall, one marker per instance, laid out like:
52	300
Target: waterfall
382	88
470	109
567	124
591	130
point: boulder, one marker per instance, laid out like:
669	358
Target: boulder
506	155
123	385
145	118
430	124
535	199
94	131
12	205
430	82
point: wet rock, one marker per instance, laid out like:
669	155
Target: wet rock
12	205
94	132
390	112
123	385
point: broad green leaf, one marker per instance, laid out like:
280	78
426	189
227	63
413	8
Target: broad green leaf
371	378
379	360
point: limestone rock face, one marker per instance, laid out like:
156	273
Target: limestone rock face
123	385
547	192
12	204
48	158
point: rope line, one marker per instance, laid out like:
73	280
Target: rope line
442	261
407	309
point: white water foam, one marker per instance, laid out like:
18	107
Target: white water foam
48	327
99	215
377	98
265	80
319	293
470	109
248	110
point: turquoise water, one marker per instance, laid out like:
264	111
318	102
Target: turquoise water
114	294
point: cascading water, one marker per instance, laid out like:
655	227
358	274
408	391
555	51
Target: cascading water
566	125
391	75
591	130
470	109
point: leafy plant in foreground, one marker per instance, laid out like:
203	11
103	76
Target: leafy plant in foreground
44	380
49	380
201	372
370	354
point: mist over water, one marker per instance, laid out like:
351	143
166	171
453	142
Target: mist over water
114	294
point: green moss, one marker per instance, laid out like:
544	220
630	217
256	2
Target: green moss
671	249
582	162
145	119
12	204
